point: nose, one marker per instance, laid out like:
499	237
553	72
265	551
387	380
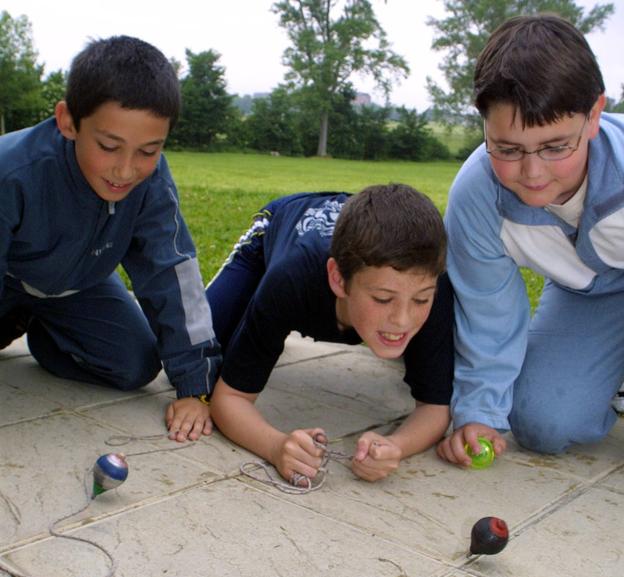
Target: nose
123	169
400	315
531	164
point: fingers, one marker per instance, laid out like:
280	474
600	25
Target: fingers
500	445
169	415
362	448
458	449
207	430
188	419
453	448
300	454
471	438
375	457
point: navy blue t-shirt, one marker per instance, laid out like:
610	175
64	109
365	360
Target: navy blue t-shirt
294	295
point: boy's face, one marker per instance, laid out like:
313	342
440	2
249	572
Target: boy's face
386	307
535	181
116	148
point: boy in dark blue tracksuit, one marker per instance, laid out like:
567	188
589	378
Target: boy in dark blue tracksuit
83	192
338	268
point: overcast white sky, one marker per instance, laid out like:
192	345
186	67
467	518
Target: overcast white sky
246	34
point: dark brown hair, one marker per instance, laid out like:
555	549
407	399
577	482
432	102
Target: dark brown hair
389	225
542	66
125	70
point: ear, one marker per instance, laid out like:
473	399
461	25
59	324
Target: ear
594	116
64	121
335	278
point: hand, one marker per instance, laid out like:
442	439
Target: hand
375	457
451	448
188	419
298	453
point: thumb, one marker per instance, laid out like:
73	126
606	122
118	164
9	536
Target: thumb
472	440
169	415
361	449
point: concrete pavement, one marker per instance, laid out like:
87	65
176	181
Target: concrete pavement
191	513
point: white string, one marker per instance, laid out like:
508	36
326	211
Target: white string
55	533
113	441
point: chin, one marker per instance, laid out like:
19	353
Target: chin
388	353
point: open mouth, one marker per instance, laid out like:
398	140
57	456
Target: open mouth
392	339
117	187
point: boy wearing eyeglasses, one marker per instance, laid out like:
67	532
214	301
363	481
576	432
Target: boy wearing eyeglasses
544	191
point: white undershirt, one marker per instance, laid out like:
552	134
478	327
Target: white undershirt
571	210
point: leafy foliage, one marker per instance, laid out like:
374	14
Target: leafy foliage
613	106
412	139
272	124
285	121
463	34
326	50
20	76
207	107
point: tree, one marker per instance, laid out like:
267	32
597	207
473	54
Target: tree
20	76
52	90
616	106
327	50
271	126
412	138
206	105
373	131
464	32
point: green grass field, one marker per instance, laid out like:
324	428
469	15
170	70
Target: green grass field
220	192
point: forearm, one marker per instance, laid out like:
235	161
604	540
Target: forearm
424	427
237	417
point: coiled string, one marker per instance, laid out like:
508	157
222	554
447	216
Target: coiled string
299	484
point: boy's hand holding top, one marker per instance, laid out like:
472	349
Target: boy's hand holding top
338	268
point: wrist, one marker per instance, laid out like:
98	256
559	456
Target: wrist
204	399
392	440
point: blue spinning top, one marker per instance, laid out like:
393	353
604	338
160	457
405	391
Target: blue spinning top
109	471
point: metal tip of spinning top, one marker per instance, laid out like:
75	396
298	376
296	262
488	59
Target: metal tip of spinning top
109	471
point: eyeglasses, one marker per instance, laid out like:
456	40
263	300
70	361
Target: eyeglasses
514	153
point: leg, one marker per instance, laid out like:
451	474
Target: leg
13	325
234	285
573	367
99	336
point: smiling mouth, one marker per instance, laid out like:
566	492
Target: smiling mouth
117	186
535	188
392	337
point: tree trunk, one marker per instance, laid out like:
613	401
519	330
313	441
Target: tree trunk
2	125
322	143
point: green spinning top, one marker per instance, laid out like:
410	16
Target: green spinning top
485	458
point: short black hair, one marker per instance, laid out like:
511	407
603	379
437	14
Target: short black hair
541	65
125	70
389	225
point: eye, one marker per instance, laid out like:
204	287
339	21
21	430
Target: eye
382	301
557	148
107	148
507	151
422	302
149	153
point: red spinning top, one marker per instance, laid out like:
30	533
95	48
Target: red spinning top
489	536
